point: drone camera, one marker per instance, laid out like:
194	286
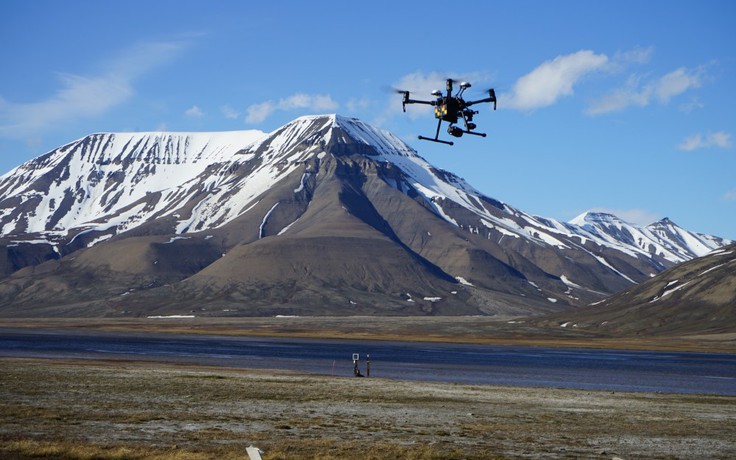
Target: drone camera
455	131
472	126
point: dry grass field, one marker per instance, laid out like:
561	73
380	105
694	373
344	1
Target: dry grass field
91	409
86	409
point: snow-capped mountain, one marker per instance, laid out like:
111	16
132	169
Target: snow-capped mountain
663	238
264	201
106	181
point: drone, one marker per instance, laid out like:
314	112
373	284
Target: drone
451	108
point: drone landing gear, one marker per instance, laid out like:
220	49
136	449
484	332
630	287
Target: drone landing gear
437	136
440	141
452	130
475	134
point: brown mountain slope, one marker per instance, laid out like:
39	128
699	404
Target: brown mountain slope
346	243
694	297
325	215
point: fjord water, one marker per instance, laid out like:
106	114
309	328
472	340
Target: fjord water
546	367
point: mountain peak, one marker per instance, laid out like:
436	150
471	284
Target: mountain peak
335	134
312	194
664	222
596	217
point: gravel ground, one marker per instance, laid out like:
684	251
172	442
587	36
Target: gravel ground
177	411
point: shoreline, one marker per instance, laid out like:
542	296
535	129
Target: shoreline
460	330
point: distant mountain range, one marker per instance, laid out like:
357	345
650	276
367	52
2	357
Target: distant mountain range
698	296
325	215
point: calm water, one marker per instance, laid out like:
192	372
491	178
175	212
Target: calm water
592	369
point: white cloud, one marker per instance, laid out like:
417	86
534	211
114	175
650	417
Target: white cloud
552	80
81	96
257	113
621	98
229	113
693	104
730	195
634	216
637	55
676	83
194	112
719	139
638	92
354	105
324	102
295	101
622	59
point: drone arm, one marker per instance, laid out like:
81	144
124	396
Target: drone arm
414	101
491	98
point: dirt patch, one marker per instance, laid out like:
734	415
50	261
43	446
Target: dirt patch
174	411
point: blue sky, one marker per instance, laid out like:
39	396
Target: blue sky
622	106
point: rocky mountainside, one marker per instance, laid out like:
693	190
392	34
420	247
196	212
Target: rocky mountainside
698	296
325	215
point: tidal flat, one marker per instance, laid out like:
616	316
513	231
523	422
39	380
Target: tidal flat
83	409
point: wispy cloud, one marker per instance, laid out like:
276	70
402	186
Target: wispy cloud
641	91
557	78
257	113
635	216
552	80
355	104
691	105
79	97
84	96
623	59
730	195
718	139
194	112
229	112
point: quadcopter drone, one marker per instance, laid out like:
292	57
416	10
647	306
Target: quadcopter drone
451	108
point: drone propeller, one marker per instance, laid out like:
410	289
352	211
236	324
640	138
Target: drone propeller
405	99
490	96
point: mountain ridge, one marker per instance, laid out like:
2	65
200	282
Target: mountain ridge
316	179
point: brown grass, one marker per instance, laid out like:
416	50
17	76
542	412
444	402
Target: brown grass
314	449
29	448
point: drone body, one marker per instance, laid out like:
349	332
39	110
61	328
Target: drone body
452	108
